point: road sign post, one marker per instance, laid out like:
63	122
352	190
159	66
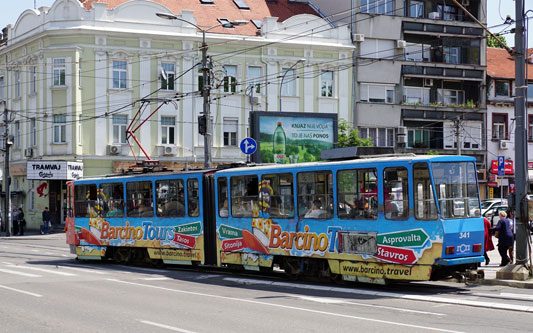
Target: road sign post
248	147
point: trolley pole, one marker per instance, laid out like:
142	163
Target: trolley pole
520	136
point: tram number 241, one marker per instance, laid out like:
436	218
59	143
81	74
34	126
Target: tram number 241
464	235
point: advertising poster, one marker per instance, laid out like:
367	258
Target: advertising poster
292	137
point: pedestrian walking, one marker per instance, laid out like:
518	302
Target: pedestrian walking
46	221
505	237
15	220
22	222
489	245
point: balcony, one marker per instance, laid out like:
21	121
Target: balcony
440	72
442	10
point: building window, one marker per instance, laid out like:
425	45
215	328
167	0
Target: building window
120	74
499	126
33	79
377	49
377	6
168	130
447	96
377	93
449	13
501	88
17	84
416	9
289	83
452	55
60	126
418	138
168	76
529	92
230	131
381	137
120	122
33	132
417	95
230	79
530	128
59	72
417	52
2	87
254	78
326	84
17	134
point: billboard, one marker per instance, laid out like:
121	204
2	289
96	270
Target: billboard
292	137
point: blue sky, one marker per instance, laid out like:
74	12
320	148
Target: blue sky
496	8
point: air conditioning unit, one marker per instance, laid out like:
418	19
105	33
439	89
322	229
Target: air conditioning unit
428	82
114	149
401	44
402	130
434	16
28	152
255	100
358	37
504	144
170	150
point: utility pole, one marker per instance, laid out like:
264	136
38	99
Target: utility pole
458	135
521	218
7	176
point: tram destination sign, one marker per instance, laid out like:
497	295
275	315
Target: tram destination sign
54	170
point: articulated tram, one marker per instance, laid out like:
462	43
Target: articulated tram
374	220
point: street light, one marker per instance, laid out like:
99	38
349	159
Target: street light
283	78
208	136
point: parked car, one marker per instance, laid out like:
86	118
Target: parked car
490	203
493	213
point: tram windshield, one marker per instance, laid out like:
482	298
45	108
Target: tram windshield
456	187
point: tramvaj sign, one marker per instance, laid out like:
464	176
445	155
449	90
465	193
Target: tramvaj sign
54	170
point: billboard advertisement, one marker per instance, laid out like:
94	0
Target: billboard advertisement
292	137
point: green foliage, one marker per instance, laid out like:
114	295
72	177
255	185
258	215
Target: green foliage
350	138
492	42
433	152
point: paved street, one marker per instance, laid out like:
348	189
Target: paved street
44	289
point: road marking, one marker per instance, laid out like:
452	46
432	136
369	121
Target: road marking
282	306
423	298
336	301
42	270
19	273
21	291
90	270
172	328
517	296
155	279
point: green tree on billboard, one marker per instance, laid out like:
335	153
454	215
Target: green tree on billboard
349	137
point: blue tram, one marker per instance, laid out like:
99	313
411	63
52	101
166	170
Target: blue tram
369	220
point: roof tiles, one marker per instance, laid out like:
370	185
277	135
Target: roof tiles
501	65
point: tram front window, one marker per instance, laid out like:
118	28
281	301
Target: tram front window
457	191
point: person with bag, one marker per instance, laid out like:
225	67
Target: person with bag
489	245
46	221
505	237
22	222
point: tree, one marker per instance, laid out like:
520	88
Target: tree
350	138
492	42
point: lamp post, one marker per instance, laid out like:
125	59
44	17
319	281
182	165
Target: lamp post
208	135
283	78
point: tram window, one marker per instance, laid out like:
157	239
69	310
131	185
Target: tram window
357	194
396	193
139	200
456	187
315	195
223	197
170	198
424	201
85	200
276	195
112	196
244	196
193	199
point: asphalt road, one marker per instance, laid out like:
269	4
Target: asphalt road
44	289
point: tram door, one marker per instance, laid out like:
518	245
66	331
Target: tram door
54	201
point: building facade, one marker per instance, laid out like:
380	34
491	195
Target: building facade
501	126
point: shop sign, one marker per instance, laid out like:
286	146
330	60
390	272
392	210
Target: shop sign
509	169
54	170
492	184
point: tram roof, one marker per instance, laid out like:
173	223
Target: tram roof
144	174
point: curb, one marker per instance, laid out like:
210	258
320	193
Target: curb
506	283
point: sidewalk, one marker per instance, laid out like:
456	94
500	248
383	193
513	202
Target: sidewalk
494	266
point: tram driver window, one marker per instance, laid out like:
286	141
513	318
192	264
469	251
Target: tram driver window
315	195
244	196
357	194
139	199
223	205
396	193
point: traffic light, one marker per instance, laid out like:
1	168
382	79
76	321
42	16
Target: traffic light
202	124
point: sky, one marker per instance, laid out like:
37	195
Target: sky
497	9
